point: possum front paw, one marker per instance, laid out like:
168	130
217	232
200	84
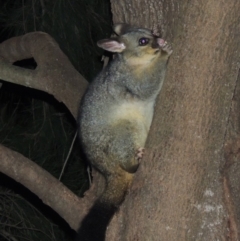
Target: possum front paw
166	48
140	153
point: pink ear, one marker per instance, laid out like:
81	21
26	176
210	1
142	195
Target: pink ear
111	45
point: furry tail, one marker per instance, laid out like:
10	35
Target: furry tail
94	225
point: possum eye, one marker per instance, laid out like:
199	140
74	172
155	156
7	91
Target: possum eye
143	41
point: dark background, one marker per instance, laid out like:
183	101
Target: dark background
34	123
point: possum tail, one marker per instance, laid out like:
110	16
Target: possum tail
94	225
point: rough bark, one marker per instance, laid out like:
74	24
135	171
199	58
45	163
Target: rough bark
128	12
180	191
231	166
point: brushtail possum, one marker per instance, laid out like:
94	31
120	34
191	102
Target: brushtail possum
115	116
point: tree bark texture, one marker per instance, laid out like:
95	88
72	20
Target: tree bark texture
144	13
183	189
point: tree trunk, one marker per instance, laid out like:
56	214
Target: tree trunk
182	190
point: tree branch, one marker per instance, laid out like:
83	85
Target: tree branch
52	192
54	73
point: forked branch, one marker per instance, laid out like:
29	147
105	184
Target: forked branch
54	73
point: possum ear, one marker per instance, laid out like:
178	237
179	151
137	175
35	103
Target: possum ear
111	45
121	28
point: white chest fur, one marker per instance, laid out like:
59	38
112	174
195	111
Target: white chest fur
136	111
